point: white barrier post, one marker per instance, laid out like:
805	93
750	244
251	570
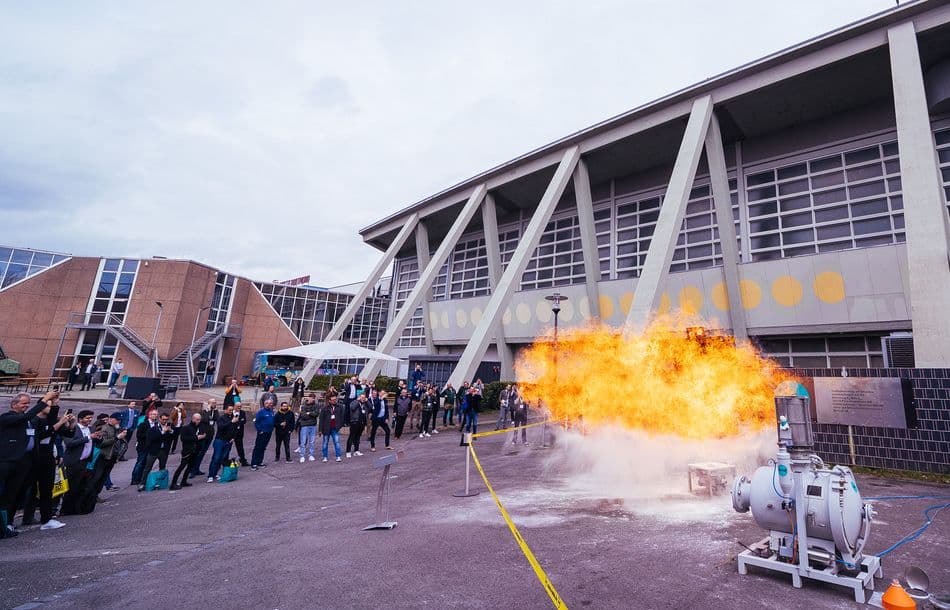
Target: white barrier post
468	491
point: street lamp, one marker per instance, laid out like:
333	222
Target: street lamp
194	334
555	300
158	321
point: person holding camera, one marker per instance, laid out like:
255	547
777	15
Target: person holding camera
17	440
39	487
222	441
78	439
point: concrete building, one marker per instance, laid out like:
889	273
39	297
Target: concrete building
169	316
800	200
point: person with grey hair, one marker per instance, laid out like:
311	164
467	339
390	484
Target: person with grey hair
17	440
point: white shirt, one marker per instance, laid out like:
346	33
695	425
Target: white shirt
117	367
87	448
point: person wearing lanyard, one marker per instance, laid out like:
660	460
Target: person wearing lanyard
40	481
78	439
331	417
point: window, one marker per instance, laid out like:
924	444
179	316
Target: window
17	264
831	351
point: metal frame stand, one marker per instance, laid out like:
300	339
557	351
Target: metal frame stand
468	491
384	495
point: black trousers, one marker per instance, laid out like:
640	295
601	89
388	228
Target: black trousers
353	440
377	424
239	446
162	459
184	468
260	446
176	432
87	502
150	460
78	477
200	451
283	440
40	481
400	423
13	479
86	381
426	417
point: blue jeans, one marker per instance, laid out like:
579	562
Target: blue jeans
140	458
222	449
308	440
471	421
209	379
336	443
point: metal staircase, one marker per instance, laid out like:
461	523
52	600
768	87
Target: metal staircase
90	320
182	364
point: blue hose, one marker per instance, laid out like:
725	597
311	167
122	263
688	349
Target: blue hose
936	508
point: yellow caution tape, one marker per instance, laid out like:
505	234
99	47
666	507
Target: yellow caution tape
538	570
504	430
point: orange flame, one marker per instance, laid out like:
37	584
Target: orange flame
673	378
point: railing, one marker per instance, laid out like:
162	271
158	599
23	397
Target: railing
101	319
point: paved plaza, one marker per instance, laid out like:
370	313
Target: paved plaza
290	536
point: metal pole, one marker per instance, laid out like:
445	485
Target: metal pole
468	491
158	321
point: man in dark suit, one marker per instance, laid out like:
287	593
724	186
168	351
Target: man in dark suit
152	435
78	438
39	486
16	439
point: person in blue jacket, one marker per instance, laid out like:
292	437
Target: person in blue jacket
264	424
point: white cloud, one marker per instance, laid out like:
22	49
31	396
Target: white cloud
259	140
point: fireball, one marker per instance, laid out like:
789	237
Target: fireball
674	378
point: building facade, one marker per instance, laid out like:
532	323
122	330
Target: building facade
161	316
799	201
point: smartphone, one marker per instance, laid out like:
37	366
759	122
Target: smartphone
69	411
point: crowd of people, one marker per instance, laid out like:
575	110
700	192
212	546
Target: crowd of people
60	463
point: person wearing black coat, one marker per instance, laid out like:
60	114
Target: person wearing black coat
283	427
39	487
239	434
73	376
209	415
155	436
78	439
296	394
190	435
17	439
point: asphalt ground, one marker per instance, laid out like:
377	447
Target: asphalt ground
289	536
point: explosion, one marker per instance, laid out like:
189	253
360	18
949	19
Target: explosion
672	379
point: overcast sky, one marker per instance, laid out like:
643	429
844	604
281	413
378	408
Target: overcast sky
259	137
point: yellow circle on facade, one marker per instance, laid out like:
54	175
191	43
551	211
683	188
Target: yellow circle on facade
543	310
461	318
523	313
584	308
506	317
751	294
476	315
434	319
691	300
720	296
626	300
829	286
567	311
787	291
606	307
664	307
444	319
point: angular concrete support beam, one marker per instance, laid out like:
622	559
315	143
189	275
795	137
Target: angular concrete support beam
925	212
426	276
585	218
511	278
719	179
422	261
493	250
660	255
384	264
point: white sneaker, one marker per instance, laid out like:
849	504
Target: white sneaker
422	435
348	454
427	434
312	459
435	431
338	459
324	459
52	524
302	459
360	453
211	479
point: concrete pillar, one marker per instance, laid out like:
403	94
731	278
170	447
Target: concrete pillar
660	255
585	218
719	181
426	277
369	285
925	213
511	278
493	251
422	260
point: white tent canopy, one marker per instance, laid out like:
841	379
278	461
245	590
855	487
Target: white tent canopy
332	350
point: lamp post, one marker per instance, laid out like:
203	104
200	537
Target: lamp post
158	321
194	334
555	300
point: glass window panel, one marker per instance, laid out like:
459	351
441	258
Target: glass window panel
829	214
832	196
810	361
22	256
700	251
130	265
760	178
852	361
795	186
42	259
894	185
866	190
820	165
860	156
807	344
825	180
111	264
871	225
890	149
878	240
763	209
100	305
897	202
767	224
866	208
767	256
698	221
846	344
791	171
898	221
799	251
5	254
764	192
834	231
796	203
800	236
698	236
892	167
864	172
834	246
796	220
649	204
765	241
